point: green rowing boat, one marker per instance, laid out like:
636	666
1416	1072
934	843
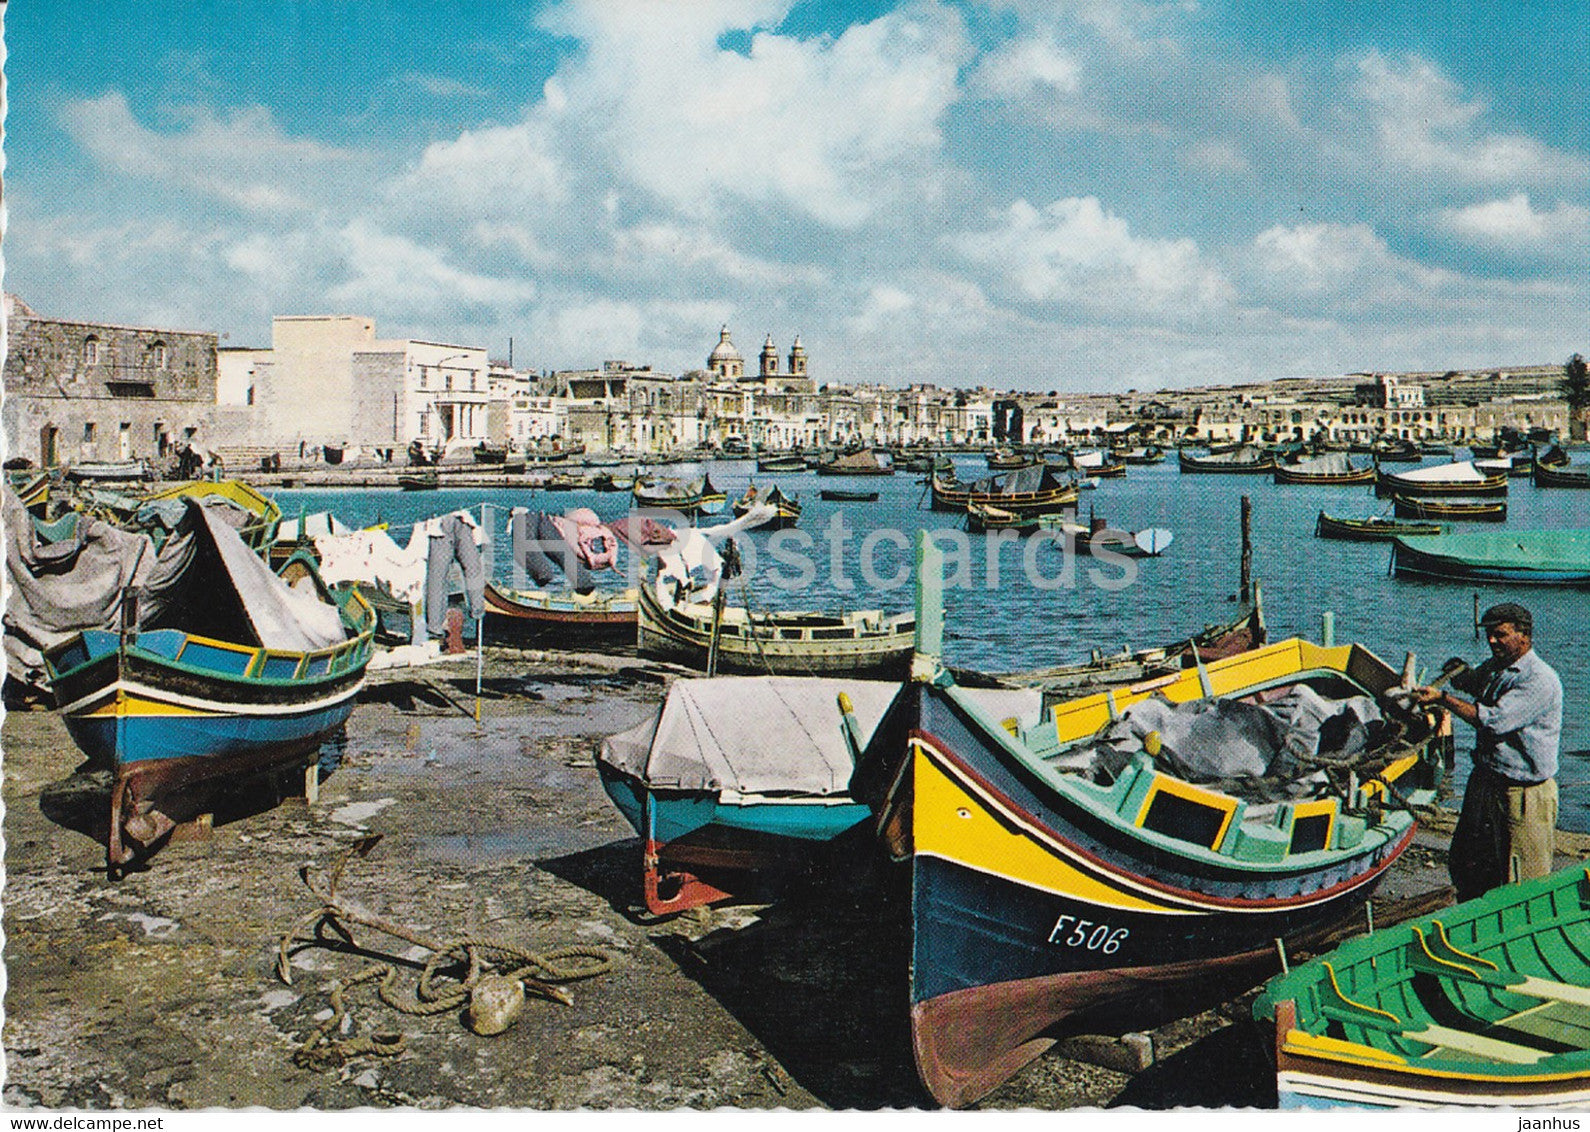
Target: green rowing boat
1553	558
1483	1004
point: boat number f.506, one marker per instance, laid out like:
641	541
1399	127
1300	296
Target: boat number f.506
1074	932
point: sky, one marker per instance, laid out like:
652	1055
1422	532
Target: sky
1081	195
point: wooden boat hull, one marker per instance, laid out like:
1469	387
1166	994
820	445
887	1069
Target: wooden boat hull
781	644
1547	476
1389	483
1040	901
949	497
848	496
1459	558
1488	511
1371	530
1480	1005
166	711
560	620
1203	465
1360	476
418	483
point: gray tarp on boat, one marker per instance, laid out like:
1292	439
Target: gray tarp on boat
65	577
751	735
1330	464
208	581
1034	477
1210	740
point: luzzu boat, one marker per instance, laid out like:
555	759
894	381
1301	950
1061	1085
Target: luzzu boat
222	669
737	775
561	618
1053	889
1547	558
1482	1005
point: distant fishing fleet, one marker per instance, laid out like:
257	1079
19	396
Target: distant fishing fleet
1109	841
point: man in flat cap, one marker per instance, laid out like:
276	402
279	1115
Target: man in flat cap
1505	831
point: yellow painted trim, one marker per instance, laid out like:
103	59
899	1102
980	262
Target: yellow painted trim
211	642
1314	809
1164	784
981	841
135	705
1440	930
1335	986
1320	1045
1424	946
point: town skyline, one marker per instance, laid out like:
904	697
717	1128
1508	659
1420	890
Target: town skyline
1087	197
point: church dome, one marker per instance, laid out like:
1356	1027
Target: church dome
724	351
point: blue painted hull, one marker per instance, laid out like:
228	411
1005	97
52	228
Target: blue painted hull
675	815
138	741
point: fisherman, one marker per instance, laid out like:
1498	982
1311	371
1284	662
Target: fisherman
1505	832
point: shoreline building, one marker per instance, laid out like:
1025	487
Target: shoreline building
80	391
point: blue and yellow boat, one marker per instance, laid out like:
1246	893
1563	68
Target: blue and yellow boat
739	775
220	668
1066	873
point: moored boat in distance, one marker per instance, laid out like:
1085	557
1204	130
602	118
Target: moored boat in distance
1477	1006
1548	558
864	462
1460	510
1334	469
835	495
419	481
1559	475
1242	460
1063	877
1374	528
1462	477
561	619
1026	491
786	508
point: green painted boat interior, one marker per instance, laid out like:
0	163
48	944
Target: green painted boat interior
1498	985
1524	550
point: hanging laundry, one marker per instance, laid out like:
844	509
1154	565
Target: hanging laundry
541	550
590	537
372	556
455	537
643	533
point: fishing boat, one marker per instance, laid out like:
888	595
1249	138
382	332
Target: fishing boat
419	481
689	497
862	463
255	516
1096	862
1132	666
1244	460
1008	459
1560	475
1461	510
1029	490
595	622
1461	477
1481	1005
1375	528
835	495
1334	469
1081	538
781	464
1097	465
606	481
1396	450
866	642
1144	455
922	462
1547	558
117	471
787	508
221	669
739	776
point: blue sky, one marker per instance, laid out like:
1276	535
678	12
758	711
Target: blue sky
1043	194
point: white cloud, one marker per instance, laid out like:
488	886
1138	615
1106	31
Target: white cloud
1423	124
1074	253
243	159
1512	224
396	275
1028	68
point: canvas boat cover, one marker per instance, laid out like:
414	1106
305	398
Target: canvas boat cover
1330	464
1247	454
316	523
1564	550
65	577
864	460
1224	740
1022	481
778	735
208	582
1463	471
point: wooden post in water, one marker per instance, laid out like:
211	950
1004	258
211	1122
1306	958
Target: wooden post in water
1246	592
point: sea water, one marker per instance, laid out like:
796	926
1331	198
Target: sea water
1028	612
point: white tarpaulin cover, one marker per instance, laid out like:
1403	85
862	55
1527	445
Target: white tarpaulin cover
1330	464
751	735
1462	471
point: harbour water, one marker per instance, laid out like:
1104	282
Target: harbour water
1017	622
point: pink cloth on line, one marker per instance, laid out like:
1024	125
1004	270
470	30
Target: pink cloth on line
645	534
591	539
